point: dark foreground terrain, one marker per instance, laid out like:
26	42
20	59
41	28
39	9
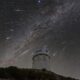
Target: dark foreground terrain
13	73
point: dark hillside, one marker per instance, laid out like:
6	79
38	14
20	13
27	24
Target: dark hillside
14	73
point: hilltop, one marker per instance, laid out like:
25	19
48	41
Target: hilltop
14	73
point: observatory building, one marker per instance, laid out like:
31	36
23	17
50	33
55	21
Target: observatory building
41	59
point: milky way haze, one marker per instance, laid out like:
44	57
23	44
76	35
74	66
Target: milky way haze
26	25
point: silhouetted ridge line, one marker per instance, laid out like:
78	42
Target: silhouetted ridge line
14	73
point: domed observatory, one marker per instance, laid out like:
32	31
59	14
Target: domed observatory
41	59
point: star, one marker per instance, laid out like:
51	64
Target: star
11	30
54	54
8	38
39	1
19	10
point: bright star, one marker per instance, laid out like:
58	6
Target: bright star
39	1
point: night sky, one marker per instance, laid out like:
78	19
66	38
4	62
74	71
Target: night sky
27	25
